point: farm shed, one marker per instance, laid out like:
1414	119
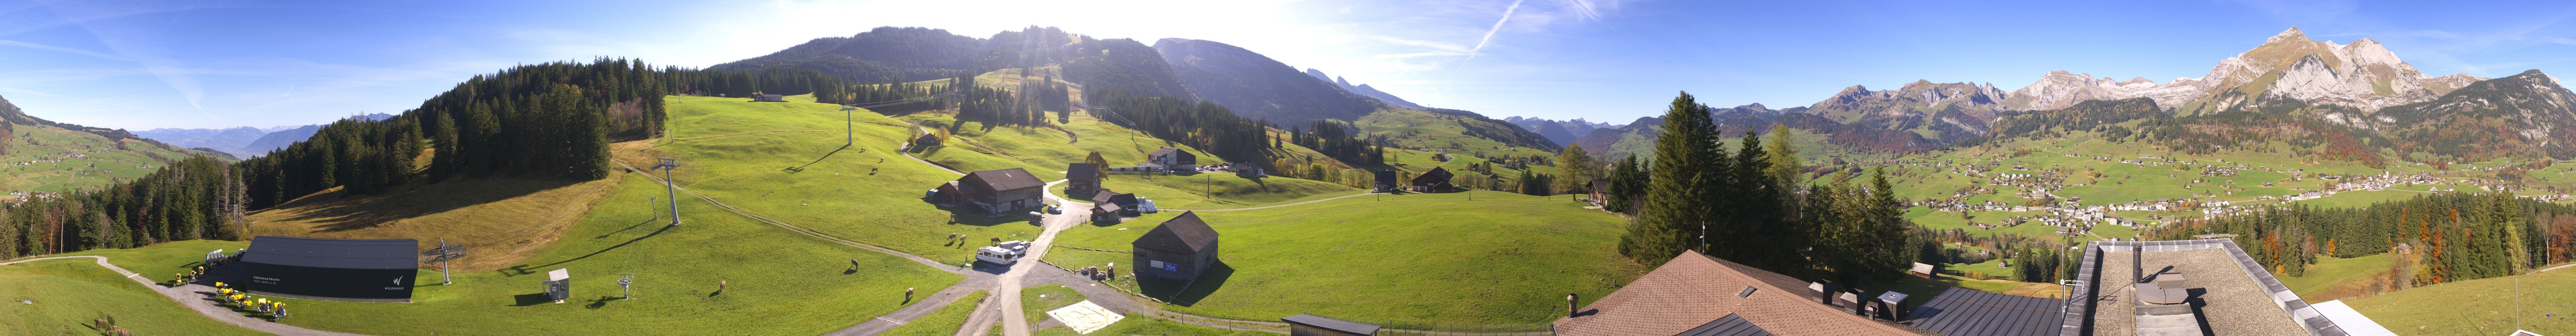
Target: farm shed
1001	190
1434	181
1179	249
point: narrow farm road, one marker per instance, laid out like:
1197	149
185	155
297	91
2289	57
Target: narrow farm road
198	297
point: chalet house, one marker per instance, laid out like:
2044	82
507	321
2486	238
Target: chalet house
1081	178
1600	190
1434	181
999	190
768	98
1386	181
1178	249
1174	158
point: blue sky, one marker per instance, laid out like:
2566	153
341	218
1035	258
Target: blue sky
142	64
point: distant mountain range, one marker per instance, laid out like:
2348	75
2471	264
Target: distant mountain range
1248	83
244	141
2312	93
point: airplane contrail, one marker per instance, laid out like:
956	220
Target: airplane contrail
1498	26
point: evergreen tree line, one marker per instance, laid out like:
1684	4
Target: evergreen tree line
194	198
1340	141
744	83
1203	125
1731	202
549	120
2444	237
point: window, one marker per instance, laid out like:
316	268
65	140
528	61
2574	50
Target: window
1154	264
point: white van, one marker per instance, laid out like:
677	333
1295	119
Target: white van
1005	254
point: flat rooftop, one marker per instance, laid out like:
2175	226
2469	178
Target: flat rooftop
2231	294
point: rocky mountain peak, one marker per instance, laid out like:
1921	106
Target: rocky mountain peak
2292	35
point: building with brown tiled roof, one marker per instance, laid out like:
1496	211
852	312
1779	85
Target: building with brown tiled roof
1695	294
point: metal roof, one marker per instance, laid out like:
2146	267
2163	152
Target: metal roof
333	253
1006	179
1080	170
1731	325
1181	234
1968	312
1334	324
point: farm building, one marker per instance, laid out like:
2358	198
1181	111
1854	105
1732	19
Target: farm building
1110	205
1434	181
1695	294
1081	178
1174	158
1316	325
999	190
1600	190
1923	270
1178	249
331	269
768	98
1386	181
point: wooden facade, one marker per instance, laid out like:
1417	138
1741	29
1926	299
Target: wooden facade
1180	248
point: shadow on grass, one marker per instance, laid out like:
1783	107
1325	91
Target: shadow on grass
601	302
1184	292
525	269
338	210
797	169
524	300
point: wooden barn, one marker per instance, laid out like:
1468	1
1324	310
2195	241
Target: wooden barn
1173	158
1386	181
1110	205
999	190
1178	249
1434	181
1081	178
768	98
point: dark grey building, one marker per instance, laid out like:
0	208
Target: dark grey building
1179	249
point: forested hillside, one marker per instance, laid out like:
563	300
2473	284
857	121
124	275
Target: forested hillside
2437	237
542	121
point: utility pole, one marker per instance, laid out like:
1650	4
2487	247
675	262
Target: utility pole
668	189
849	126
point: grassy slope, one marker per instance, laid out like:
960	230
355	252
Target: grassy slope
743	153
68	293
1045	152
2478	307
944	322
159	261
48	159
1216	191
2329	273
790	283
1424	129
1500	258
500	221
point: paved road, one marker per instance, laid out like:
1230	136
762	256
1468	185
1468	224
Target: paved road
1007	296
2553	268
924	307
200	298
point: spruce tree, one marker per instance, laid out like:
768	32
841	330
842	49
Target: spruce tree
1670	221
